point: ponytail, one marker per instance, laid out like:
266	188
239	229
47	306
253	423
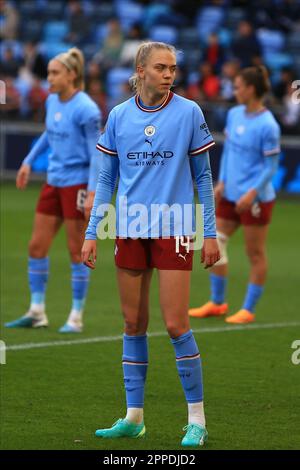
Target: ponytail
73	60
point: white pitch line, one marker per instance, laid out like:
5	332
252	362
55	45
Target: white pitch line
103	339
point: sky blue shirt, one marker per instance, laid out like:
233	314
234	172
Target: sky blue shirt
250	153
72	131
152	149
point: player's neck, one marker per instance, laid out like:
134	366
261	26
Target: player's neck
67	94
255	106
152	98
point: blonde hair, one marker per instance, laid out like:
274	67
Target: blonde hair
141	57
73	60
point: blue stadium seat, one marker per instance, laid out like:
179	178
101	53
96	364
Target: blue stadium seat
278	60
162	33
115	78
234	16
293	42
271	41
209	19
99	34
16	46
54	10
51	49
129	13
55	31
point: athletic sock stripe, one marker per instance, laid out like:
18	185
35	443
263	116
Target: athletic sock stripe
37	272
188	358
135	363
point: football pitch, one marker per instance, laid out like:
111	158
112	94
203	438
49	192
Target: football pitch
57	389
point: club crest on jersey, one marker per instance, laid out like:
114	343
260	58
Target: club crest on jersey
149	131
57	116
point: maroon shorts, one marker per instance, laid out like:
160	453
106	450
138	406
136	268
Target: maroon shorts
67	202
259	214
160	253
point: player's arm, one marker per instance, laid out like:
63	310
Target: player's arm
109	169
201	172
91	130
24	172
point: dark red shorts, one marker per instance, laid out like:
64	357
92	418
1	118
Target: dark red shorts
67	202
160	253
259	214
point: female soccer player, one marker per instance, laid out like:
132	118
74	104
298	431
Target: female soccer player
156	142
244	194
72	131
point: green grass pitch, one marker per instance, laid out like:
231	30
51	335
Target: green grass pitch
55	397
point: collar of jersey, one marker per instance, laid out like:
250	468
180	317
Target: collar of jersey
153	109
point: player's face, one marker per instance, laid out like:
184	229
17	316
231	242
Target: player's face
243	92
59	77
158	74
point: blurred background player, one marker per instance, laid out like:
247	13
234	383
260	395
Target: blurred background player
72	131
157	142
244	193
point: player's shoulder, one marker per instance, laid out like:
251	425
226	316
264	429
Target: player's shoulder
185	103
83	100
124	106
268	119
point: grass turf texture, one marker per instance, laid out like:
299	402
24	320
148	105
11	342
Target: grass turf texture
55	397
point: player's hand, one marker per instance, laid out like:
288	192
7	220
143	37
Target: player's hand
88	205
89	253
210	253
218	192
23	176
245	202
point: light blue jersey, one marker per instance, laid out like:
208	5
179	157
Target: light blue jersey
72	131
250	154
152	149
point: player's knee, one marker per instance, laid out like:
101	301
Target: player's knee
175	330
222	242
36	249
256	256
134	328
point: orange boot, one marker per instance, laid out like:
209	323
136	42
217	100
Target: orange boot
210	309
242	316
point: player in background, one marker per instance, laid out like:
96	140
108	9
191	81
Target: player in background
72	131
156	142
244	193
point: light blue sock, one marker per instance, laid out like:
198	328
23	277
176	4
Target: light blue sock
253	295
38	271
135	364
218	288
189	366
80	283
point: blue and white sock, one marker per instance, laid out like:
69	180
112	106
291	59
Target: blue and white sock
38	272
80	283
218	288
135	364
189	366
254	292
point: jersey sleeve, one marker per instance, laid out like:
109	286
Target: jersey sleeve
107	140
271	140
202	139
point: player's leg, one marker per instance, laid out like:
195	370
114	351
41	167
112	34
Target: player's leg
72	200
134	295
174	287
45	228
75	229
218	273
255	242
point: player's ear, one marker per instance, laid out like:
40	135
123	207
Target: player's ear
140	71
